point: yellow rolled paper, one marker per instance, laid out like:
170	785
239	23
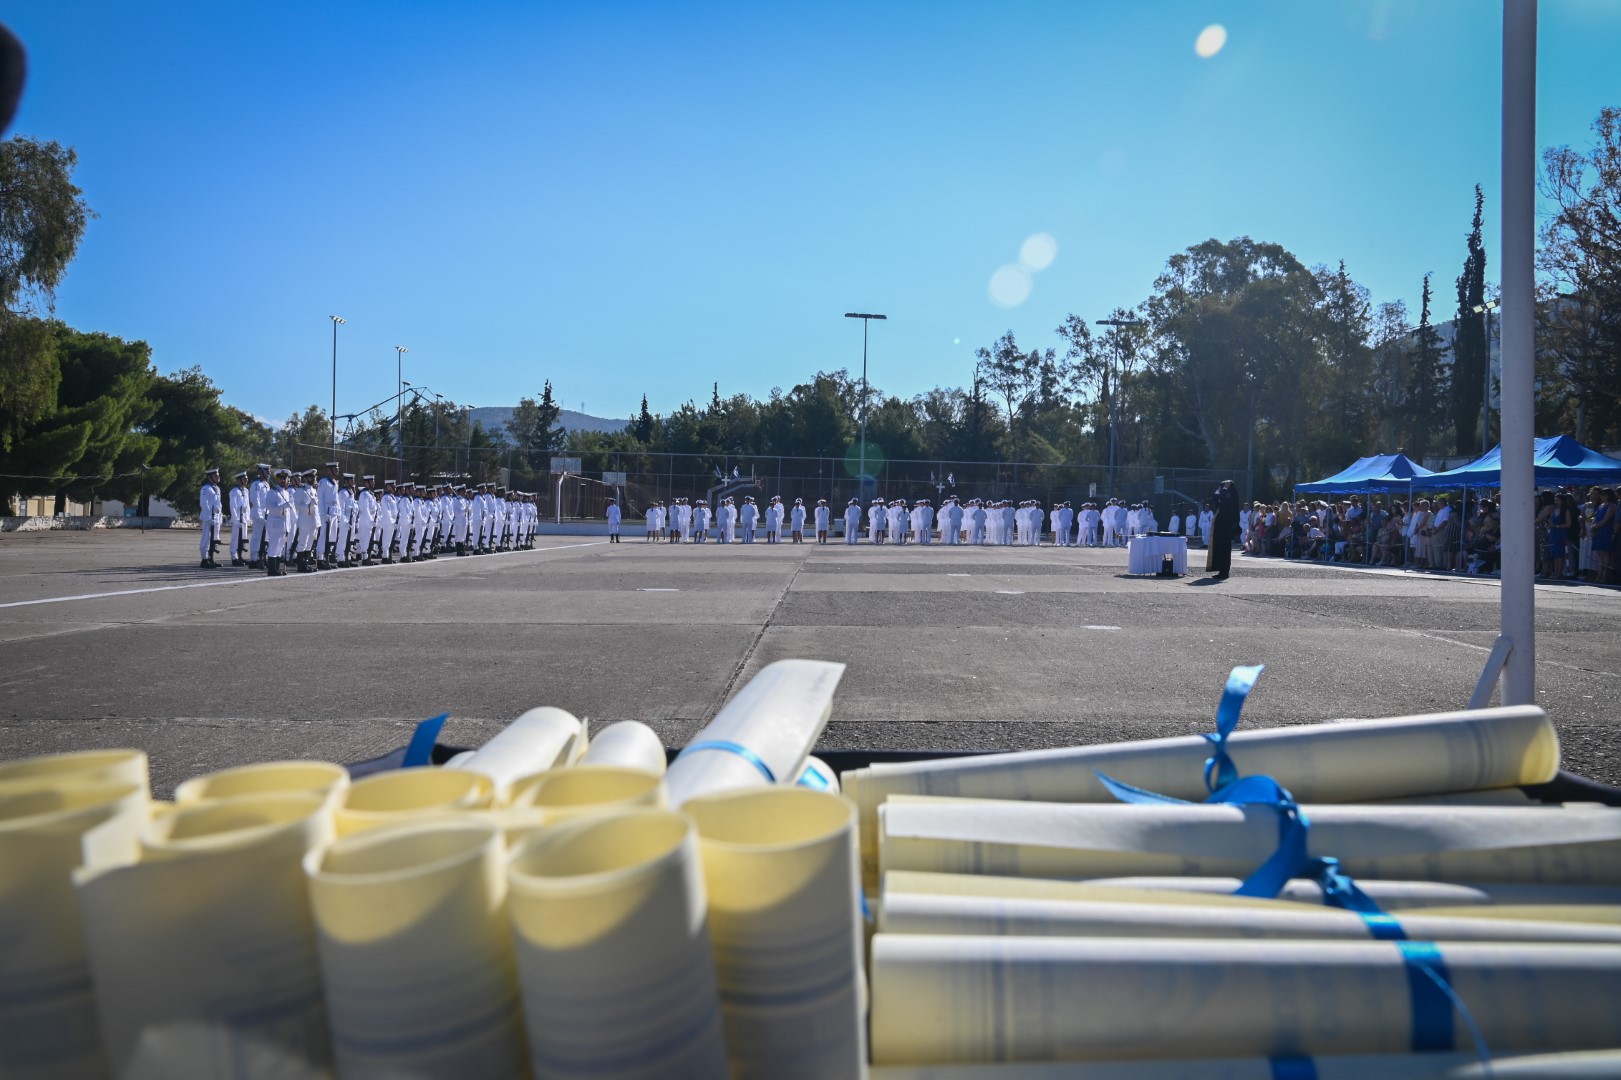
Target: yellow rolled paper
540	739
903	913
781	867
416	953
47	1012
630	743
762	736
1345	762
1076	840
613	949
389	797
587	789
994	999
77	767
266	778
203	951
1577	1065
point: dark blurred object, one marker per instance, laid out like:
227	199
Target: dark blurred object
13	69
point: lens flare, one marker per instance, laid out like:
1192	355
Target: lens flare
1038	252
1010	286
1210	40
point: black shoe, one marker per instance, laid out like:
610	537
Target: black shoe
1221	577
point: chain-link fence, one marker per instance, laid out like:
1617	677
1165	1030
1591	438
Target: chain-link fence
580	484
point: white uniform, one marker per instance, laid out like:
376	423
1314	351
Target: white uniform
700	523
388	520
257	546
796	521
241	521
1207	522
852	523
326	492
976	525
746	518
208	513
824	519
728	523
897	524
877	519
345	526
773	522
365	522
278	511
613	519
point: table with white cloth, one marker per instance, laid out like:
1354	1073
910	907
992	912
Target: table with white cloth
1146	554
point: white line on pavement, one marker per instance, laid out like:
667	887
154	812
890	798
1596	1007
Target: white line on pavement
257	577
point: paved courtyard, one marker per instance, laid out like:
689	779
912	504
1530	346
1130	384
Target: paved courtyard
116	639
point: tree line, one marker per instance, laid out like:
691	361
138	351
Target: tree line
1240	358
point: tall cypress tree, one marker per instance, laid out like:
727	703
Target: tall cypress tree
1469	356
1426	384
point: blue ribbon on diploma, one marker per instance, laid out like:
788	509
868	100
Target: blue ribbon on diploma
731	748
1430	990
419	751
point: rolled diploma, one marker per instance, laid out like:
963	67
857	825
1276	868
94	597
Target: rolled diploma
540	739
1075	840
389	797
630	743
1577	1065
613	949
76	767
587	789
981	999
203	951
777	717
1390	895
780	865
47	1012
416	952
1351	761
818	775
903	913
267	778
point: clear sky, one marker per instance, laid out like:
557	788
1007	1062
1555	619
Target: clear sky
631	197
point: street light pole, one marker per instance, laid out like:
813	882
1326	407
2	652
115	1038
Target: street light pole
1485	310
399	405
1114	398
332	417
861	481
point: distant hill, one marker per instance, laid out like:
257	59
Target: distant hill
495	417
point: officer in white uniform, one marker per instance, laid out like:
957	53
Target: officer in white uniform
326	490
241	520
278	509
258	547
208	514
613	515
365	532
877	519
747	517
388	519
773	520
852	522
728	520
796	522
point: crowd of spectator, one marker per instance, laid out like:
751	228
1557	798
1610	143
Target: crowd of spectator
1576	534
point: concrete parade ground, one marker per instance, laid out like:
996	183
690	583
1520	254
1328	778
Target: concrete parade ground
117	639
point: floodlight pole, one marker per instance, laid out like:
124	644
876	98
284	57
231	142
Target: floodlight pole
332	417
861	479
1114	398
1518	322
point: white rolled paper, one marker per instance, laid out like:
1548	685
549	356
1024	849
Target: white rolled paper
75	767
1351	761
203	951
47	1014
613	950
1576	1065
990	999
781	867
416	952
818	775
903	913
267	778
389	797
540	739
630	743
1090	840
763	735
1397	895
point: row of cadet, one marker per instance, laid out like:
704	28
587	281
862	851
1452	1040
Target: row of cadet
331	523
999	522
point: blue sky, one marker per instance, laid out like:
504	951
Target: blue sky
647	197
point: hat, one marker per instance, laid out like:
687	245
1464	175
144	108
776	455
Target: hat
241	476
334	465
211	471
368	478
281	472
262	467
348	476
308	472
388	483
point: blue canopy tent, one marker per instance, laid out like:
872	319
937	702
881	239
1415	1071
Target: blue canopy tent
1379	472
1557	461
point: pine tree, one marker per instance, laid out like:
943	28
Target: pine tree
642	426
1469	357
1426	384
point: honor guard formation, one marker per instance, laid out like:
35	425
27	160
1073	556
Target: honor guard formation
329	523
996	522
